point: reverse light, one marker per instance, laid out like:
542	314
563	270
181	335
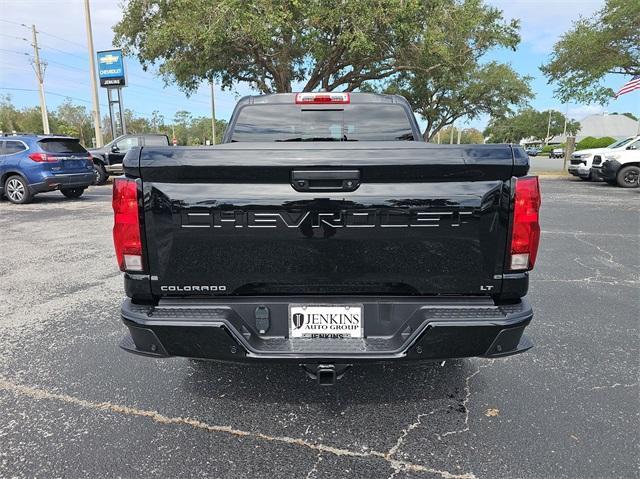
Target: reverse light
126	226
43	158
322	98
525	235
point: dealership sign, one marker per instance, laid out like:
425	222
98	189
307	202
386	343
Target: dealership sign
111	69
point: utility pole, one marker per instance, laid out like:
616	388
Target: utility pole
451	137
37	66
459	135
94	82
546	140
213	115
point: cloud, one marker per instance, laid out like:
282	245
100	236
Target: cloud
544	21
580	111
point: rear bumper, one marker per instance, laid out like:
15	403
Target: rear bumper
57	182
419	329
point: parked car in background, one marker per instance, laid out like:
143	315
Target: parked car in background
583	161
32	164
622	168
533	151
556	153
108	159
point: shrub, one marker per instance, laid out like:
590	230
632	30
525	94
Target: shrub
548	148
591	142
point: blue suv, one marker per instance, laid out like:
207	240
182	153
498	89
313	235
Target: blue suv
31	164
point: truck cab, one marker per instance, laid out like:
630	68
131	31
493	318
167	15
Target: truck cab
583	161
107	160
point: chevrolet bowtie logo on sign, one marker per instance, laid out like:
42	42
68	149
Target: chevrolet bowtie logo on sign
109	59
111	68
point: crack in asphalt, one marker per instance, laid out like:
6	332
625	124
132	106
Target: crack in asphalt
406	431
396	464
467	388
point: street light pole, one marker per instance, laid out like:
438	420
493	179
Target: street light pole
213	115
94	83
37	66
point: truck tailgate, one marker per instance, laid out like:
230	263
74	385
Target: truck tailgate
416	219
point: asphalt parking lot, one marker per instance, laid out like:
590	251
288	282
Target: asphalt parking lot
73	405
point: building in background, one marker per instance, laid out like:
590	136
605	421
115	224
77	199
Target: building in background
603	124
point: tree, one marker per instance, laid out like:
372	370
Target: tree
9	115
200	130
136	124
467	135
272	43
607	43
428	50
448	80
529	123
73	120
627	114
444	97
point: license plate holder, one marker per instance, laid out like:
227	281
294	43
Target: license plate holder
326	321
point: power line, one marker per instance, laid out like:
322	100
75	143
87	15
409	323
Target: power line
83	100
63	39
13	23
64	52
14	52
65	65
44	33
13	36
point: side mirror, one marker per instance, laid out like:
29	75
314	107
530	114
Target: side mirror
632	147
114	148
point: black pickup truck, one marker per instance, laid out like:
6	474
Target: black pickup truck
107	160
325	232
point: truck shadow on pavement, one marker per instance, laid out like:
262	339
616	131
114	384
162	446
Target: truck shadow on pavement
363	383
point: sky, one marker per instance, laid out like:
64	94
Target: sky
63	41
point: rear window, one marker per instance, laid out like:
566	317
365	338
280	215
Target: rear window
61	146
346	123
156	141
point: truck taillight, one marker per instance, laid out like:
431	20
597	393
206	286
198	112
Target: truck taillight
322	98
525	234
126	226
43	158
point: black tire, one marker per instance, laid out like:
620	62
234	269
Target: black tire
101	174
628	176
17	191
72	192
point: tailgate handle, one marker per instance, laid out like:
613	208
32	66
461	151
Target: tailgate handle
325	180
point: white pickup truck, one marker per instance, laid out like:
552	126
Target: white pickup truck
582	161
621	168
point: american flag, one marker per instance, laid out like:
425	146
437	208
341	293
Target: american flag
633	84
